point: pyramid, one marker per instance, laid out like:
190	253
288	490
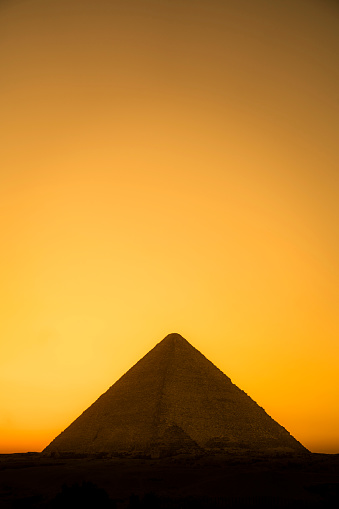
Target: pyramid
173	401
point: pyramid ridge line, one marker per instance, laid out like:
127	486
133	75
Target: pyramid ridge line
173	336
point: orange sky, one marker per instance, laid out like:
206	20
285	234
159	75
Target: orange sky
168	166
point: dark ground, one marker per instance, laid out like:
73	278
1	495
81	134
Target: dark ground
34	481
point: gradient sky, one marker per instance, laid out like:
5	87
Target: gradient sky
168	166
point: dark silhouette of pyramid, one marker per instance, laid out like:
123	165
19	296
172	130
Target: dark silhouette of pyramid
173	401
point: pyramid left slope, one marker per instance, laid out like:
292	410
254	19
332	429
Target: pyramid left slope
123	418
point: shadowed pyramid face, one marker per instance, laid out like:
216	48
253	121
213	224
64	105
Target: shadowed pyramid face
173	401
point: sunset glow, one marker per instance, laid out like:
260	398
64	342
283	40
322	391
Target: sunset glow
168	167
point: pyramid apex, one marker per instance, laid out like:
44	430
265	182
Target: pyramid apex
174	336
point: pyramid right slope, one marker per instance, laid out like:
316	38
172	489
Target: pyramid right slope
215	413
174	400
